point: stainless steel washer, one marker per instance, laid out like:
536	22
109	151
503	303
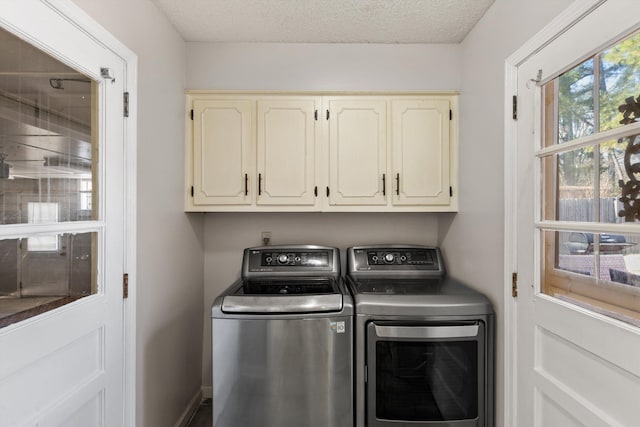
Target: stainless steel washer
424	342
283	342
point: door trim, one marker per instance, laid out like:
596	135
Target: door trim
93	29
574	13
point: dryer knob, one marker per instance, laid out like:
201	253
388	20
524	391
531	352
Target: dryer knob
389	258
282	258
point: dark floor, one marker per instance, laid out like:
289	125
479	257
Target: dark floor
204	417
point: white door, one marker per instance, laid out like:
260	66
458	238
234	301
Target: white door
575	351
65	367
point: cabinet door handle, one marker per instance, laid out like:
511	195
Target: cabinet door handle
246	184
397	184
384	184
259	184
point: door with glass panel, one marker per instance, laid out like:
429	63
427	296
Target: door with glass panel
61	222
578	225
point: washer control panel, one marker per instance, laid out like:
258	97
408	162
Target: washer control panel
292	259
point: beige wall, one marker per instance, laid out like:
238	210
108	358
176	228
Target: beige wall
169	253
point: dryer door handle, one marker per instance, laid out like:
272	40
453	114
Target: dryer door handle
426	332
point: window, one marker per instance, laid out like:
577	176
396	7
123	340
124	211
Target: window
49	226
590	182
85	194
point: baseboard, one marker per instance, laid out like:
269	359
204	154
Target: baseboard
207	392
191	409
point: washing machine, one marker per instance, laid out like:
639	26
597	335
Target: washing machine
282	338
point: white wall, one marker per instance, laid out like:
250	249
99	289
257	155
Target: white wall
170	252
473	239
316	67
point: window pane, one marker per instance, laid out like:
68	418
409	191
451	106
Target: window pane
576	187
47	133
619	80
619	185
600	272
48	175
34	282
575	102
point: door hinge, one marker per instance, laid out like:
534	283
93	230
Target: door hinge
327	191
515	108
315	115
450	114
192	191
125	102
327	114
125	285
450	191
514	285
315	191
191	114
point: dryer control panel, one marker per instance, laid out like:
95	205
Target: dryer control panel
395	258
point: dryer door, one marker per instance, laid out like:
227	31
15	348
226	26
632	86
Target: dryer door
426	374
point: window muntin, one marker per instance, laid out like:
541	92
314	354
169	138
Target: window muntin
48	182
589	164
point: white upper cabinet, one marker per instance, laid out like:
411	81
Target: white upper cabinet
420	152
286	157
222	152
357	151
307	152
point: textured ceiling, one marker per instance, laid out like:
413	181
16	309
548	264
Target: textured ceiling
324	21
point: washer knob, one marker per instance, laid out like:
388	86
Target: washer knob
283	258
389	258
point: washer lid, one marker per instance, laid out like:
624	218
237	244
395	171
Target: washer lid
284	295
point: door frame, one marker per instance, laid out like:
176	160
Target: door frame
574	13
81	20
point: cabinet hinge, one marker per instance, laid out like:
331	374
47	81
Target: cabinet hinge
315	115
514	285
450	191
327	114
327	191
450	114
125	104
192	191
515	108
125	285
191	114
315	191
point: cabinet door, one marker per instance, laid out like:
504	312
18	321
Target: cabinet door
420	152
222	152
286	151
357	152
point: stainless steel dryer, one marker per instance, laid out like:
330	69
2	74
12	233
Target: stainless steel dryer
283	342
424	341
